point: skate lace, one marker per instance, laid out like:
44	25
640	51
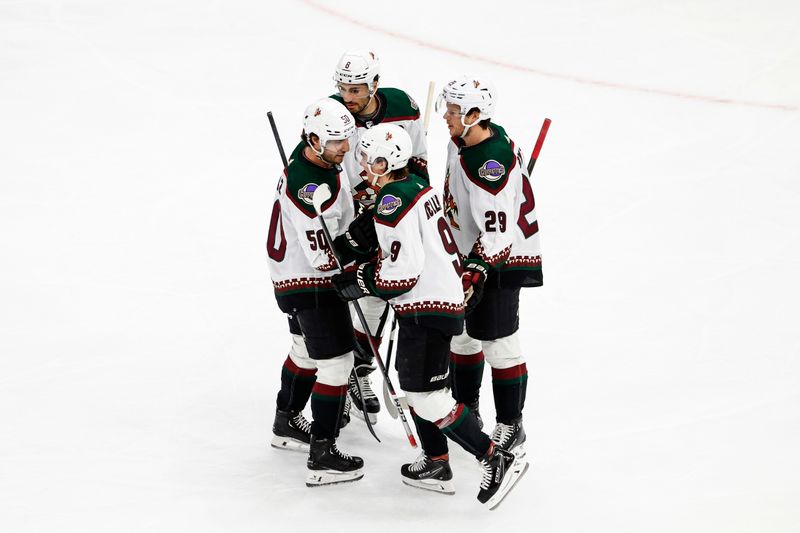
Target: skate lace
337	451
419	463
366	388
488	474
502	434
301	423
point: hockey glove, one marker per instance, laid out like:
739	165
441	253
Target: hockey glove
353	284
360	241
419	167
361	232
472	281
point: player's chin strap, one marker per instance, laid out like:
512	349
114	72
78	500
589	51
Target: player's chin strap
374	181
321	147
467	126
372	88
321	152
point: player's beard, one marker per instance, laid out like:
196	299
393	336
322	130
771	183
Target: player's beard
362	108
325	157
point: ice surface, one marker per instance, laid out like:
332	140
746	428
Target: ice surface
140	345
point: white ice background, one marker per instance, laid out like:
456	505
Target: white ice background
140	344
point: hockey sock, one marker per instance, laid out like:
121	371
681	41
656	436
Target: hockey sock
363	353
464	430
467	374
296	384
509	386
433	441
327	402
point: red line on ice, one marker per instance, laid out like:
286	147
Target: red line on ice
545	73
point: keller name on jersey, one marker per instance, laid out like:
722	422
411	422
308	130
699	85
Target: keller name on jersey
417	271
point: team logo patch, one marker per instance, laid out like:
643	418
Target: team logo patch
414	105
389	204
307	193
491	170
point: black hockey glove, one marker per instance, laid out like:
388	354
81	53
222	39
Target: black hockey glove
472	280
360	242
419	167
361	232
353	284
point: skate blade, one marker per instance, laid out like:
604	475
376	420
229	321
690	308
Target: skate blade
434	485
518	469
318	478
519	451
289	444
373	417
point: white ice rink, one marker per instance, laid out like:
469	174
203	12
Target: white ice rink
140	344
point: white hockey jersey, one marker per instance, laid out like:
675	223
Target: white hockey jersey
300	259
489	204
396	107
419	269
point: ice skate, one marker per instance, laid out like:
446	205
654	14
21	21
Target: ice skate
291	431
429	474
373	406
501	471
328	466
510	437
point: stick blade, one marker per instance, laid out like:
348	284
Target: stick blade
321	195
391	408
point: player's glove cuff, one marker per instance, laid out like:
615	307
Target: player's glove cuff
473	280
419	166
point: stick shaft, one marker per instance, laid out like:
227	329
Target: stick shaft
371	339
427	120
538	147
277	139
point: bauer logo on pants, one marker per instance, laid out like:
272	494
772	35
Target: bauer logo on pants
491	170
307	193
389	204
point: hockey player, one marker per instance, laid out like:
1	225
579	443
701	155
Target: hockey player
357	77
418	272
489	205
301	265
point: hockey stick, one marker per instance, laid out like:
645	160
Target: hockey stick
386	397
537	148
391	342
427	120
321	195
381	325
353	371
277	139
390	408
